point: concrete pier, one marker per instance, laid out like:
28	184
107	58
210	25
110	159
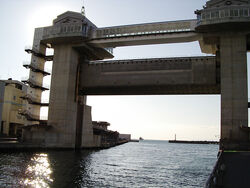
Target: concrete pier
63	104
234	95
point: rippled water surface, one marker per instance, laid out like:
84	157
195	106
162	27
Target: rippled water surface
143	164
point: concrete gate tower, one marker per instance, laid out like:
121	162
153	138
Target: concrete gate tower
225	28
67	36
222	28
70	50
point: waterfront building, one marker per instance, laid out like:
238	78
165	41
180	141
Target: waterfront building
125	137
11	104
102	136
101	125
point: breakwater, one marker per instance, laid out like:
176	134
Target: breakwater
192	142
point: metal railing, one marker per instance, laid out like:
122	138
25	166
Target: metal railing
221	14
177	59
36	66
28	47
32	117
37	53
66	29
145	29
33	82
34	99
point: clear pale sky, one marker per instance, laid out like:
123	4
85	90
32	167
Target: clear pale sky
194	117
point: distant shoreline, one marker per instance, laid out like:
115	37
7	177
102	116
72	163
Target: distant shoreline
193	142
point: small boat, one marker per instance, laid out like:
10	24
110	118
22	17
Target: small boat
141	138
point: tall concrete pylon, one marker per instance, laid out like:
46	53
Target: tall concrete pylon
224	26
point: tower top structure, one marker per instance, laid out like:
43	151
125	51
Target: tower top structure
220	15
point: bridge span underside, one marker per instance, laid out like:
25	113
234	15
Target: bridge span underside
189	75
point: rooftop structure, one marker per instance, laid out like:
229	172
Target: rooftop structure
103	125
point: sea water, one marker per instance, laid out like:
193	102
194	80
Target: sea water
143	164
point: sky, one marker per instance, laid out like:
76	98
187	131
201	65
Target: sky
193	117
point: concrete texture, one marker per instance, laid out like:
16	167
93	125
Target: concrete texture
87	131
36	77
234	96
63	104
224	26
196	75
76	41
143	34
231	171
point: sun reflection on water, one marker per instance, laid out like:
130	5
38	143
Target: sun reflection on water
38	172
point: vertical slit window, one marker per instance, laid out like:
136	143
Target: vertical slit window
212	15
222	13
203	16
217	14
208	16
236	12
246	12
241	12
226	13
231	13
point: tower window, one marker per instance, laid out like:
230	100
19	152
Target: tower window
222	13
226	13
236	12
241	12
245	12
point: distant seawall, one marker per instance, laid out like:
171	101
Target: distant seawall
192	142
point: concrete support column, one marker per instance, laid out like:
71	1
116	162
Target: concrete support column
87	129
79	120
63	103
36	77
234	97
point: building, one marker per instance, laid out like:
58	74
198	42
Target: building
126	137
103	137
11	104
100	125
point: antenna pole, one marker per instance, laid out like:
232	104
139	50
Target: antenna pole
83	9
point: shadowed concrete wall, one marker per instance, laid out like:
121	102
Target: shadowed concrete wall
199	75
63	106
2	88
234	100
87	129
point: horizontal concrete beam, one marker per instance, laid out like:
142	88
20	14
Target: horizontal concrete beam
154	90
148	33
190	75
145	28
146	39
